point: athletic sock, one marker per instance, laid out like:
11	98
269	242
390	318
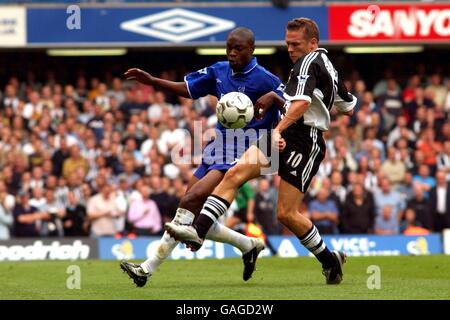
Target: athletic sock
314	243
213	208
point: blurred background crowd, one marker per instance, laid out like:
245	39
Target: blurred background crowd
92	157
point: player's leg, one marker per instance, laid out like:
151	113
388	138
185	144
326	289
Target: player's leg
206	226
140	273
288	201
248	167
298	164
190	205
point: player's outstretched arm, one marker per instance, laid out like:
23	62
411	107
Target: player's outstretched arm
178	88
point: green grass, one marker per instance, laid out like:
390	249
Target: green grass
407	277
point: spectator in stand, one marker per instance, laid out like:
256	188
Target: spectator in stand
128	172
358	213
401	130
447	101
393	168
102	210
116	91
421	207
440	202
162	198
337	189
437	90
408	93
10	97
53	226
424	179
389	207
144	215
26	217
411	226
419	160
392	99
406	189
443	159
74	222
386	223
419	102
74	161
6	221
429	146
324	213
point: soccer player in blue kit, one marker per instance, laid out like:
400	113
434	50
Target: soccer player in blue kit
240	73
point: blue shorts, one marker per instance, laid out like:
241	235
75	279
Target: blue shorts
205	168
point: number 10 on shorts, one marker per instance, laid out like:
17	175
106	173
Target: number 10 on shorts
294	159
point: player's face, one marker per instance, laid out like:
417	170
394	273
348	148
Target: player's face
298	45
239	52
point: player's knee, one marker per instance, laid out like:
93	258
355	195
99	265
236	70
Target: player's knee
284	214
234	177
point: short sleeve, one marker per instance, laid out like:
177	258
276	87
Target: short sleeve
201	83
301	84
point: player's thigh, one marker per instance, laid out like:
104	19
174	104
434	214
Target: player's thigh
203	187
248	167
300	160
254	156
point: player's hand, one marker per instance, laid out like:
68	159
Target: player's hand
262	104
139	75
278	141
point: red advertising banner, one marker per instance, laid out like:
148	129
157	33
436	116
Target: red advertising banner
389	23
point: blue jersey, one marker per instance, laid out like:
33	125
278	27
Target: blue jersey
218	80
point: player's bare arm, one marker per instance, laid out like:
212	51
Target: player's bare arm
295	112
267	100
178	88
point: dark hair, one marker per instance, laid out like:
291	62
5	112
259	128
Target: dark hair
245	33
310	28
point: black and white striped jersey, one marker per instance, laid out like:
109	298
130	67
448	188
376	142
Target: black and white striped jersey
314	79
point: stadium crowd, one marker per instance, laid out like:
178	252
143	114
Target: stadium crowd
96	158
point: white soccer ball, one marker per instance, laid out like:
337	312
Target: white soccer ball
234	110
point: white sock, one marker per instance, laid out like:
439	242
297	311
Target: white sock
220	233
167	243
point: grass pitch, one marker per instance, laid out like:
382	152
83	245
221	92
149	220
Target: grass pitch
406	277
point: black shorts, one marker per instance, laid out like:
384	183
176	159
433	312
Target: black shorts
300	160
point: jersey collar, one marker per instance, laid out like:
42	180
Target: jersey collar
321	49
252	65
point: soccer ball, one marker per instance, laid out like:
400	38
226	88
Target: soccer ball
234	110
